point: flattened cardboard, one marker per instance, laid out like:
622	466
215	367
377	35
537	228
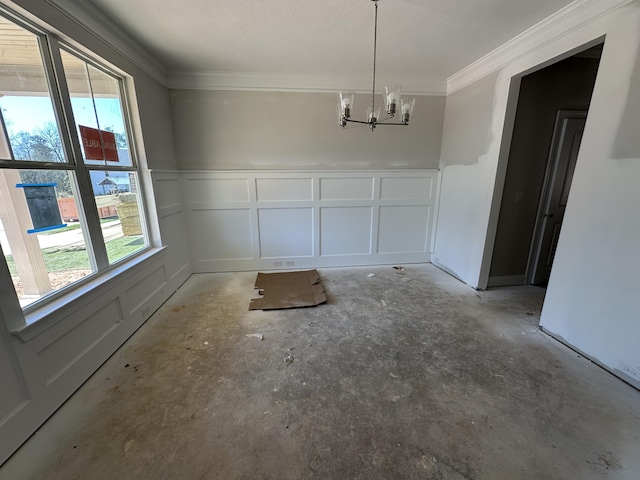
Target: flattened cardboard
288	290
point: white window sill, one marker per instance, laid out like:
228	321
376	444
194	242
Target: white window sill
44	317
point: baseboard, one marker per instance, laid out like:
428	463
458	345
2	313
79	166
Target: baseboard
615	372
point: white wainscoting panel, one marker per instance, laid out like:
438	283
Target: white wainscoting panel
222	234
169	200
406	188
13	391
307	219
403	229
62	353
283	189
285	232
345	230
346	188
207	190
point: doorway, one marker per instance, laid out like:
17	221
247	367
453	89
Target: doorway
552	107
563	155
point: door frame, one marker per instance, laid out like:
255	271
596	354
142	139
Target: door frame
547	184
505	148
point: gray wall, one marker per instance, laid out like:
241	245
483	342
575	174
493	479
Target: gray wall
467	123
627	143
230	130
467	143
155	123
567	85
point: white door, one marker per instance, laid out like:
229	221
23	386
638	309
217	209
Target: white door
563	156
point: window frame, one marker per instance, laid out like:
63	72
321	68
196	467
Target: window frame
50	47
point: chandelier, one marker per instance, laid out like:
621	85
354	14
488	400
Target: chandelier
392	98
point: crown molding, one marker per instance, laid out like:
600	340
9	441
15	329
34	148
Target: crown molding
559	24
200	80
93	20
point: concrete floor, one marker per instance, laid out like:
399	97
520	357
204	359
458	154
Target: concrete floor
397	377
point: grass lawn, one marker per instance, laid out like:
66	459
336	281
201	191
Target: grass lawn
57	259
124	246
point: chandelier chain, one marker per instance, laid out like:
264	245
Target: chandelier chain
375	45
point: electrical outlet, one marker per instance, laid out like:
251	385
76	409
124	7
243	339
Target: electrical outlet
277	264
290	263
628	369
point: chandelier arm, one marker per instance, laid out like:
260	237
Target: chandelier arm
351	127
350	120
385	119
377	122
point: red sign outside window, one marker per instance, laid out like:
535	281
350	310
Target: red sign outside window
109	145
98	144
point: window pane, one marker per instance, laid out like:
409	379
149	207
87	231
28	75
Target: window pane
117	198
41	233
25	100
97	109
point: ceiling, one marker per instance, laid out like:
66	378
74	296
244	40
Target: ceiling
419	39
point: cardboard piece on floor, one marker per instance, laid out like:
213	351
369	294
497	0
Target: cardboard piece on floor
288	290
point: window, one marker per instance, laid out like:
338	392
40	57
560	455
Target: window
70	205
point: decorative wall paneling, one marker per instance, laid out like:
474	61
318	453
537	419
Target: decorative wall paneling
256	220
167	188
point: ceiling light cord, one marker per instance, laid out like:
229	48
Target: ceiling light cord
375	49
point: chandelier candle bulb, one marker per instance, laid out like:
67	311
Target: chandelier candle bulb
345	103
407	108
391	105
341	120
391	95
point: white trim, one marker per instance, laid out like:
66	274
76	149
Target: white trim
613	371
299	171
564	21
92	19
559	24
436	261
201	80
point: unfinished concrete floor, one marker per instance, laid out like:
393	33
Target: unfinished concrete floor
398	376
